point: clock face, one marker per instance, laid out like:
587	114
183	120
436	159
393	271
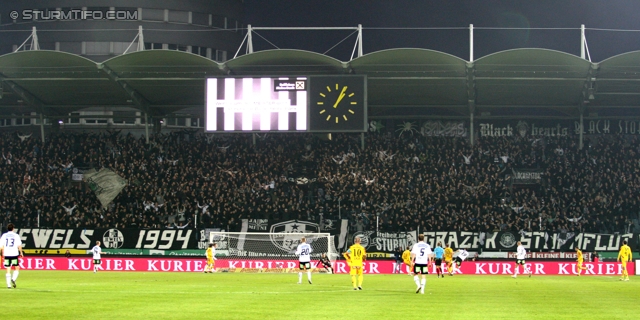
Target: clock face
337	103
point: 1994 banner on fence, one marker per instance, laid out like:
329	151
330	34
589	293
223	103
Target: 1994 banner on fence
168	239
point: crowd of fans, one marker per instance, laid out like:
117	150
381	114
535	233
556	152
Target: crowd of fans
397	182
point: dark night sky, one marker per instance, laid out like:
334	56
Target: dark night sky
608	14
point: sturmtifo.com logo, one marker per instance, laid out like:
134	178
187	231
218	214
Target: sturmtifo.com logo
73	14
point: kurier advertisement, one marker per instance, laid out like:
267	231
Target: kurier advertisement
370	267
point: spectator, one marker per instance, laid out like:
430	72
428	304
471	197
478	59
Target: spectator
434	183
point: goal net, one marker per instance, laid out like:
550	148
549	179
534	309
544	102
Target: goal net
269	252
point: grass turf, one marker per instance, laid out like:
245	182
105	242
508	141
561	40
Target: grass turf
136	295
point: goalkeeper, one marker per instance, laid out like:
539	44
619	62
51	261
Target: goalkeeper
326	263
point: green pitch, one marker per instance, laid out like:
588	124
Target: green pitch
136	295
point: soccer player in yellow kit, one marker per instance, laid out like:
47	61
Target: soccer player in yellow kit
580	260
623	256
355	256
406	258
448	257
211	252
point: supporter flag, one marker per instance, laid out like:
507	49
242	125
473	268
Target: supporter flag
105	183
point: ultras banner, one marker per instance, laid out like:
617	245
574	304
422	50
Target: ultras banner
526	176
264	225
386	242
152	264
62	239
543	241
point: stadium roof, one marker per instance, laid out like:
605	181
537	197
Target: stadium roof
403	83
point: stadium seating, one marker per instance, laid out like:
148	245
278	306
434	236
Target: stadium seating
439	183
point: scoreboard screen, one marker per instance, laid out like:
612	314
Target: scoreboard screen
288	104
256	104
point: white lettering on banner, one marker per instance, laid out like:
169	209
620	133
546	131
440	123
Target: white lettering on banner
369	267
497	269
599	246
589	269
488	130
491	242
66	241
443	129
535	236
154	239
550	132
86	241
563	268
72	264
604	127
41	238
611	268
57	236
38	264
494	268
548	255
520	175
86	264
386	241
601	242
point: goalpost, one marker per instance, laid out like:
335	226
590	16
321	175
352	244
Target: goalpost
268	252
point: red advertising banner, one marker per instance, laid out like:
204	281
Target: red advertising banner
152	264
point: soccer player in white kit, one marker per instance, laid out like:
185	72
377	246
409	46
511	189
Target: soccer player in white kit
521	254
462	255
421	256
304	259
11	248
96	250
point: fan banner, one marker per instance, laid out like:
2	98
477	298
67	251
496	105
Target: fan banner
443	129
543	241
264	225
59	240
526	176
529	128
152	264
63	239
385	241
